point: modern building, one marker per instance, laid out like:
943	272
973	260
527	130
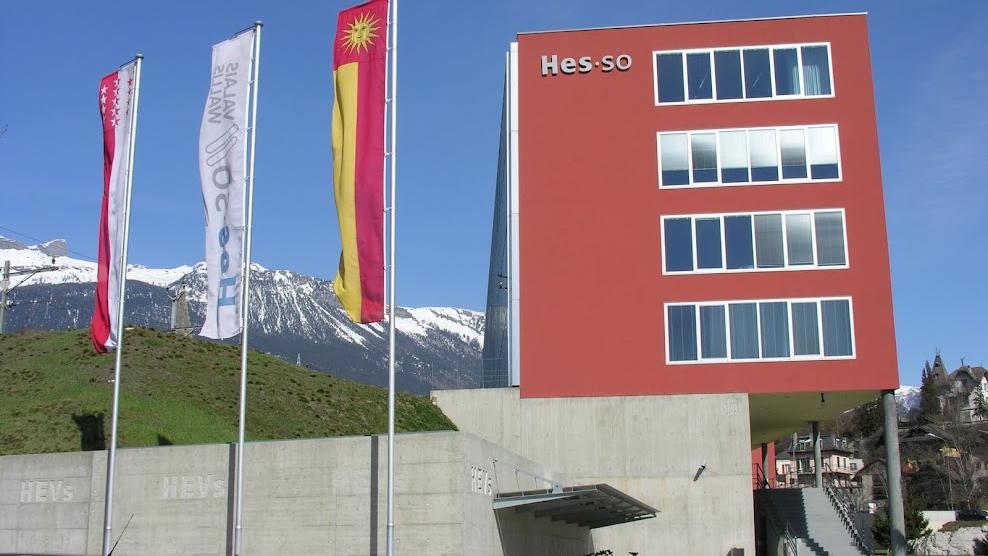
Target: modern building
689	262
689	248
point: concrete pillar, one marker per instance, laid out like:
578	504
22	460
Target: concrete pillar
893	471
765	462
817	456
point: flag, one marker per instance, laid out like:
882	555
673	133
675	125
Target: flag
222	169
359	69
116	96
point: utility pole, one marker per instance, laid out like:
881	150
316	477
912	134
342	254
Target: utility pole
6	289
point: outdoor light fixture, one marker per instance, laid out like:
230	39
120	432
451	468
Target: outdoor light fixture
699	472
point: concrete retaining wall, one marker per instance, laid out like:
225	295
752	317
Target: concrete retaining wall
650	447
319	496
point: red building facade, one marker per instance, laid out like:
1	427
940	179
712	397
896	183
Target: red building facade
699	210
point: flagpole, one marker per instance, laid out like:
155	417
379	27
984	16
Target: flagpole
248	210
393	50
111	456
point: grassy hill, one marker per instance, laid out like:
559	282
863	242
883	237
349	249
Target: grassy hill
56	395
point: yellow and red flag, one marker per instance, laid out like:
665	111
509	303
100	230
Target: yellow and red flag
359	69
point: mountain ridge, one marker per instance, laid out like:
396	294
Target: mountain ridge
291	315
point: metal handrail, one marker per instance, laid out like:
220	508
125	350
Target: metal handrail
843	504
773	514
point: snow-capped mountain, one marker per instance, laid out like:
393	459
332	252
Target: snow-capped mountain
75	271
292	315
907	399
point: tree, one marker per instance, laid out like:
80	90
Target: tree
929	397
916	525
868	418
980	403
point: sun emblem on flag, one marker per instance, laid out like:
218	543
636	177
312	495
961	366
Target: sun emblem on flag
361	33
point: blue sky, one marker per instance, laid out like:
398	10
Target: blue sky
930	78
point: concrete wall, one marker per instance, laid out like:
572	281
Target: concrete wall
319	496
650	447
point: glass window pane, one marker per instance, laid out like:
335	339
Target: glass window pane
786	71
713	332
708	252
744	331
775	329
737	236
704	147
805	329
678	238
757	77
682	333
764	155
829	238
733	156
816	70
799	237
727	64
768	240
698	72
670	75
793	153
823	152
836	327
674	159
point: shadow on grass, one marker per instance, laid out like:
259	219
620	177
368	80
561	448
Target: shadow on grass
91	433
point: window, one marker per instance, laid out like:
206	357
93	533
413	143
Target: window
698	72
799	239
854	466
830	238
793	153
751	73
740	244
823	153
728	71
805	329
749	156
744	331
713	332
786	71
682	333
674	158
708	251
768	241
773	329
734	157
669	69
703	147
836	327
678	243
816	70
757	73
764	161
788	240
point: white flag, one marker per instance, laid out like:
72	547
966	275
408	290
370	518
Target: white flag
222	171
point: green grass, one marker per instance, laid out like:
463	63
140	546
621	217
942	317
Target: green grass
178	390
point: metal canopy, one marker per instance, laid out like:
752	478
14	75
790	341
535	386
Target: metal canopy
590	506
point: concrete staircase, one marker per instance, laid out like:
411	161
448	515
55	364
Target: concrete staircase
811	519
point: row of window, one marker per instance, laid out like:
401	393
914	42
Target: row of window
749	156
721	332
737	74
791	240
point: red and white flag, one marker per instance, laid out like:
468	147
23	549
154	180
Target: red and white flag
116	96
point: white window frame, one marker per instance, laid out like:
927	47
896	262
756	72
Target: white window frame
778	156
713	73
700	360
786	267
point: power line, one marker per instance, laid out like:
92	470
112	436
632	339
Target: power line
41	241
